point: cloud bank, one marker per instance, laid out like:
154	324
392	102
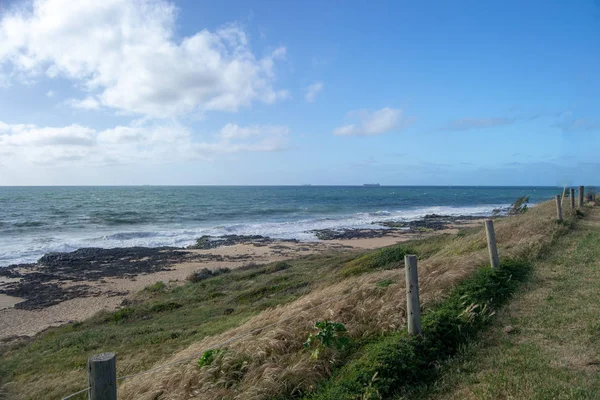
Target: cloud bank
125	56
137	142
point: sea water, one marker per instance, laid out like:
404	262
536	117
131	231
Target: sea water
38	220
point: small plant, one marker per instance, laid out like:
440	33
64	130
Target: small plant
329	335
519	206
474	312
122	315
157	287
208	357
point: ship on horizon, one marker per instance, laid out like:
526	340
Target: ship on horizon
371	184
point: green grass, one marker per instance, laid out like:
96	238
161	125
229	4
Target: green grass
546	345
163	319
396	362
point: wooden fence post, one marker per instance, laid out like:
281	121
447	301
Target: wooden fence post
413	305
491	239
102	375
558	208
572	197
580	196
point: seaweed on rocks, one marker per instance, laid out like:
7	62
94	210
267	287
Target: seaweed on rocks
207	242
338	234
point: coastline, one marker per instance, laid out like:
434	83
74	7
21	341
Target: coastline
69	287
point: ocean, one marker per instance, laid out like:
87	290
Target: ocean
38	220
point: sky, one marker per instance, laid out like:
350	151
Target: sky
243	92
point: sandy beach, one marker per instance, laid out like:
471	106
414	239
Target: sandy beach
78	295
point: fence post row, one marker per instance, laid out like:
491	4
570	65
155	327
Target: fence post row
580	196
413	305
572	197
491	240
102	375
558	208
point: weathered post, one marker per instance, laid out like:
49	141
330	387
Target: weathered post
558	208
491	239
102	375
580	196
413	305
572	197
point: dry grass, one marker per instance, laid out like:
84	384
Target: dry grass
273	362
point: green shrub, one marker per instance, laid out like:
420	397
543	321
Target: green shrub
158	287
384	368
122	315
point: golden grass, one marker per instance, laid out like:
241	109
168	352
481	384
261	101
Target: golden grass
273	362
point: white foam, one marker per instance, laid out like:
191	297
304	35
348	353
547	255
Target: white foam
31	248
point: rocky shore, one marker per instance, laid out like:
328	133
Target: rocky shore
429	223
58	284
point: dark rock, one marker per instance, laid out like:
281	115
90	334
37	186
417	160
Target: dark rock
337	234
212	242
41	284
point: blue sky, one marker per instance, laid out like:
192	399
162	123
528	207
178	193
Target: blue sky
295	92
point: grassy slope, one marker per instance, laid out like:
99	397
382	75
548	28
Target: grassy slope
546	344
166	320
159	322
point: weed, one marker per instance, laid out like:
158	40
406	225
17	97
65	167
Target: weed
329	335
208	357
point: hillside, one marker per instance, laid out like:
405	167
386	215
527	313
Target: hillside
264	314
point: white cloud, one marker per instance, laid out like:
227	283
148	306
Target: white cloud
89	103
50	93
125	55
138	142
372	122
313	90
